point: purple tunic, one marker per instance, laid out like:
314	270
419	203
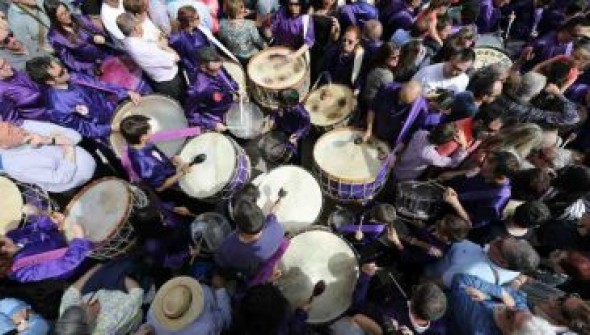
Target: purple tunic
188	45
288	31
209	98
293	121
100	98
397	15
25	95
489	17
340	67
42	236
546	47
356	14
79	52
151	165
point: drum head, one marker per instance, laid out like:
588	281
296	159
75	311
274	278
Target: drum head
165	114
337	155
12	205
303	203
273	147
99	208
485	56
212	175
209	230
237	73
314	256
330	104
245	122
270	69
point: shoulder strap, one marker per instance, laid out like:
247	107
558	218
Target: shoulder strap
357	64
306	21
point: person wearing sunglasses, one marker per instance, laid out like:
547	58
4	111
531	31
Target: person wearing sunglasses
291	27
17	52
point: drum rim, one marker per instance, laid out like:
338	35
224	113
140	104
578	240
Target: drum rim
252	61
244	78
83	191
225	119
350	181
118	117
492	48
349	97
4	178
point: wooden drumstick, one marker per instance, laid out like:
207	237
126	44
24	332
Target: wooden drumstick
358	234
568	140
511	19
318	289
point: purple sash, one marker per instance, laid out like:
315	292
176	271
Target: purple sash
267	270
38	259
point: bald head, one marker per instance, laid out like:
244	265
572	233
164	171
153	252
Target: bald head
410	91
531	84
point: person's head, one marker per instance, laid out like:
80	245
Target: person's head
47	70
129	25
428	303
6	70
249	192
500	3
262	310
514	254
572	28
464	38
78	320
7	39
188	18
235	9
531	184
531	214
289	97
452	228
135	7
248	217
136	129
485	85
459	63
440	6
58	13
411	55
488	121
521	139
531	84
383	213
514	322
573	179
499	165
581	54
373	30
351	39
410	91
444	26
442	133
210	60
387	56
295	7
573	263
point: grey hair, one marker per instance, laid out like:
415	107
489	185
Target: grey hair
535	326
126	23
521	257
531	84
73	321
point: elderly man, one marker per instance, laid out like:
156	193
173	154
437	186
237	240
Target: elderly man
449	75
22	94
17	52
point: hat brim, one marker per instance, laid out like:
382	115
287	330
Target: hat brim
194	310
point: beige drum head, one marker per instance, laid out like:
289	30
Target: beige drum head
165	114
100	208
330	104
237	73
270	69
302	204
319	255
336	154
485	56
211	176
12	205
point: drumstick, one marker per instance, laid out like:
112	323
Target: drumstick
568	140
198	159
399	287
318	289
437	184
358	234
511	19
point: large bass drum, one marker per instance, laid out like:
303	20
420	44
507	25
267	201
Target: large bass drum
330	106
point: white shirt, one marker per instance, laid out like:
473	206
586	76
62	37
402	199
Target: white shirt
432	77
109	15
159	64
45	166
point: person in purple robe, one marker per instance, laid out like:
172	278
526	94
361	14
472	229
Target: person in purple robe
357	14
371	41
396	110
23	94
211	94
39	250
291	27
78	101
554	16
398	14
489	17
291	118
529	14
188	40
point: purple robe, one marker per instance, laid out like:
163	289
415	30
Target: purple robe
340	67
26	97
187	45
489	17
391	115
209	98
100	98
151	165
79	53
288	31
546	47
356	14
42	236
293	121
528	14
397	15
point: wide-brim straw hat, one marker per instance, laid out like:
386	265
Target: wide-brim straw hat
178	303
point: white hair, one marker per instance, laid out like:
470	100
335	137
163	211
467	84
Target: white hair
531	84
535	326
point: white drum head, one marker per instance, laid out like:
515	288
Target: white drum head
330	104
485	56
244	121
237	73
337	155
270	69
12	205
303	203
314	256
211	176
99	208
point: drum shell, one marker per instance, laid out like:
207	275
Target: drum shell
16	196
208	231
418	200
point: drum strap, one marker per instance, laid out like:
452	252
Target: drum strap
306	19
38	259
357	63
417	106
218	44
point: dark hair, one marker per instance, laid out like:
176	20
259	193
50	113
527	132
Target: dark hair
573	179
38	69
289	96
249	192
582	43
73	321
454	227
558	72
482	82
407	57
442	133
51	7
383	213
248	217
134	6
575	7
428	302
572	23
442	22
519	255
262	311
530	184
531	214
133	127
489	113
185	14
464	55
506	162
383	53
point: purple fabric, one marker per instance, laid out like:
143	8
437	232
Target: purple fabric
416	256
397	15
187	45
356	14
288	31
340	67
577	93
39	236
26	95
292	120
151	165
209	98
267	270
489	17
544	48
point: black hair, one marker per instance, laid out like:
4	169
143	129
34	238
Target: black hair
574	179
454	227
383	213
262	311
38	69
442	133
520	255
51	7
482	82
489	113
428	302
464	55
289	97
531	214
530	184
558	72
248	217
506	162
572	23
383	53
133	127
249	192
442	22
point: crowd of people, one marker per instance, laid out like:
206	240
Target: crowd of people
505	141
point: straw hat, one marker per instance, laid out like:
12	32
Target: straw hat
178	303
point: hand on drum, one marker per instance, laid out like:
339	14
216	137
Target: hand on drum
77	230
37	140
184	168
98	39
82	110
59	219
183	211
134	97
370	269
552	89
